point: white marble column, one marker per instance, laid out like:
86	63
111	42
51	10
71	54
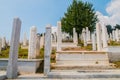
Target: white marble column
32	43
48	49
75	39
84	36
59	36
42	41
113	35
38	45
93	42
117	34
104	35
25	40
12	69
3	42
98	34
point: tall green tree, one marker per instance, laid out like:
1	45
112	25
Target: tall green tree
117	26
109	29
79	15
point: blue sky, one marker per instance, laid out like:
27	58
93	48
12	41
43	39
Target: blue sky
37	13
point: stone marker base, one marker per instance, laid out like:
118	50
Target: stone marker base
82	58
24	65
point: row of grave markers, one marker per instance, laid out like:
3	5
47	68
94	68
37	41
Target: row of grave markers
34	42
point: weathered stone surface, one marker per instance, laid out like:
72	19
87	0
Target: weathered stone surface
32	43
98	34
12	69
25	40
84	37
93	42
75	40
104	35
47	50
3	43
59	36
42	41
38	45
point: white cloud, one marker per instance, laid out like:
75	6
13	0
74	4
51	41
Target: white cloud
113	10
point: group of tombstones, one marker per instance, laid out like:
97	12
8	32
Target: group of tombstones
100	37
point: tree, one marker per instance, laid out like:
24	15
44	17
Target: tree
117	26
79	15
109	29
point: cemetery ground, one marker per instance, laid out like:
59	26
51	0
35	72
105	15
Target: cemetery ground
23	53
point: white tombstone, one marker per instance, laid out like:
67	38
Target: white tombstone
3	42
98	34
0	44
117	35
87	34
75	39
32	43
113	35
48	49
25	40
84	36
38	45
59	36
12	69
42	39
104	35
93	42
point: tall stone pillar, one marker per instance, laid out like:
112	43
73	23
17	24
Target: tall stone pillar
98	34
84	37
117	35
12	69
25	40
42	41
59	36
38	45
48	49
93	42
4	43
32	43
104	35
75	39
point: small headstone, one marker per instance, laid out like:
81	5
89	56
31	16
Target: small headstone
3	43
75	39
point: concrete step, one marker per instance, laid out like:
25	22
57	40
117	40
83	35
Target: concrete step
72	74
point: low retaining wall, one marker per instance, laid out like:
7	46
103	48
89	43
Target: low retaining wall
24	65
113	53
84	58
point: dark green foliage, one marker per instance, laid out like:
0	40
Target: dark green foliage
109	29
79	15
117	26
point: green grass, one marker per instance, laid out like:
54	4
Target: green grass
114	43
117	64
